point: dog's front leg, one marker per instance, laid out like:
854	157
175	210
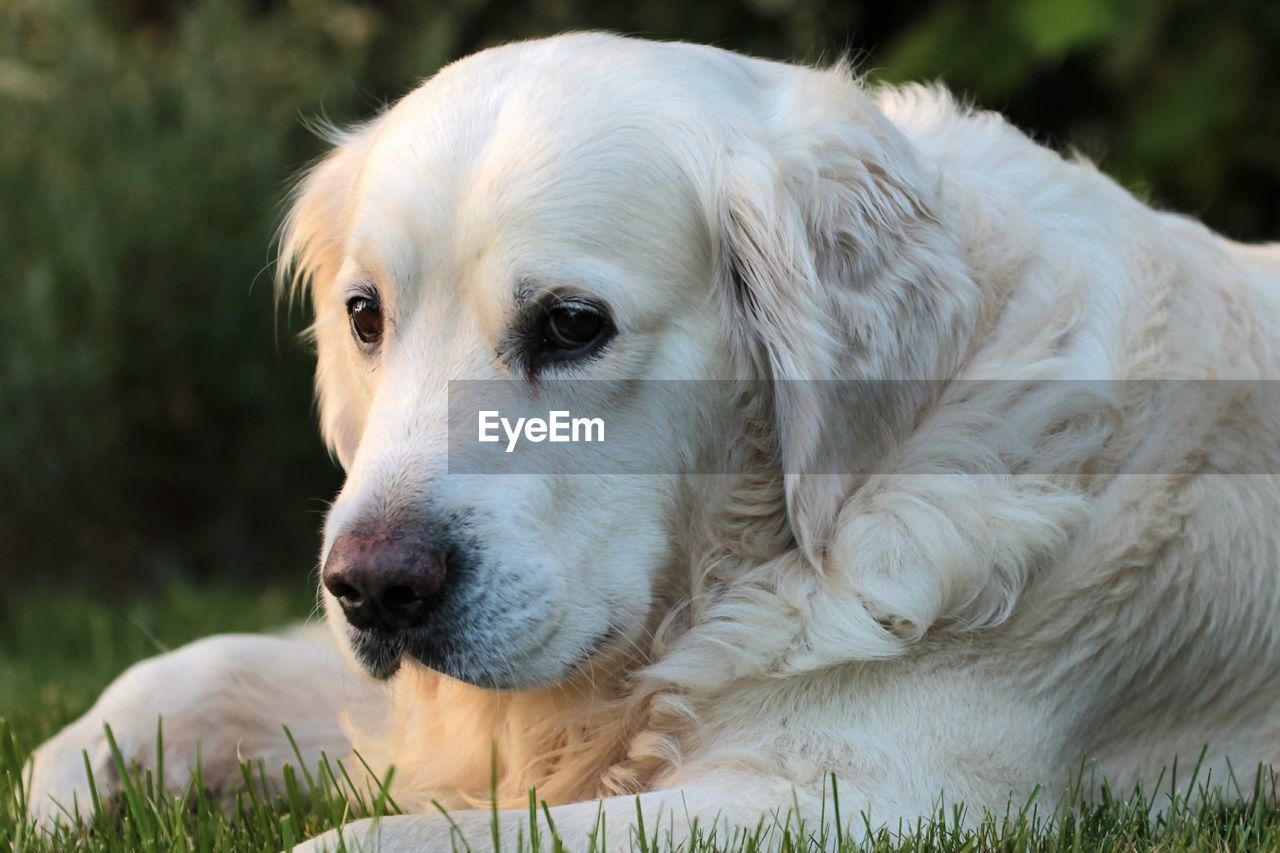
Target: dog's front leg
223	700
708	808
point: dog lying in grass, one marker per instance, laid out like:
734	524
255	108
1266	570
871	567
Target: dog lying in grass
990	490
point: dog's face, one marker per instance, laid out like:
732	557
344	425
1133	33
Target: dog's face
542	212
517	233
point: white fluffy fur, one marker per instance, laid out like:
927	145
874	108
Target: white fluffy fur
985	601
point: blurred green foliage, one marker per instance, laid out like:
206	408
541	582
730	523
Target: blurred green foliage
154	411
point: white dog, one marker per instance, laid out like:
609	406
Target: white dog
960	588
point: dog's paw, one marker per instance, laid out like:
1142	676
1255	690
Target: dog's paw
60	790
168	702
358	836
404	833
79	769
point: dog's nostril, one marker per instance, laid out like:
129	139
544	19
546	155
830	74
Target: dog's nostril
345	593
402	602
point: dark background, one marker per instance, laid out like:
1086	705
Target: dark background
155	413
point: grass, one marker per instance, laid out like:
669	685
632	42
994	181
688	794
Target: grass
59	649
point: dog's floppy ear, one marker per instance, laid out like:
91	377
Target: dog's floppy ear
840	284
849	294
312	244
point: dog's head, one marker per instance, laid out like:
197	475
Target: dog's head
592	207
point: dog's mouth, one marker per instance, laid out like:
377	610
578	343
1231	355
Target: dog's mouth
383	653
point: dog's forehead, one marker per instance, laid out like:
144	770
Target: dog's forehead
526	166
537	136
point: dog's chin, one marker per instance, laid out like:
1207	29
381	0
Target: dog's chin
384	655
380	654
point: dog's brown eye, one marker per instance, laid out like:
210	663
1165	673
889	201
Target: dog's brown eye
573	327
559	331
366	319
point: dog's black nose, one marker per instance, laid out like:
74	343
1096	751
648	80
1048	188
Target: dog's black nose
384	580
